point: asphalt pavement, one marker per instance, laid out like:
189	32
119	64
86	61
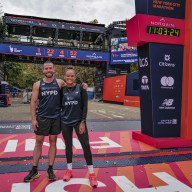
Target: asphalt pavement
101	116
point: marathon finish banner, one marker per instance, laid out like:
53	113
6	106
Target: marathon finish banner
160	67
166	74
165	8
145	90
53	24
13	49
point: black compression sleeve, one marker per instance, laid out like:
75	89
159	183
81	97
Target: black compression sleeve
84	98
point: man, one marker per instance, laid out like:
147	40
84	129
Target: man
46	122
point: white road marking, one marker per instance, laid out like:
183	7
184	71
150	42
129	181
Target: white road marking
97	113
117	116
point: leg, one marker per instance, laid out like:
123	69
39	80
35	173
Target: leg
33	174
38	149
52	148
67	133
84	140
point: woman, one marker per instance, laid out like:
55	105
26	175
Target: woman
73	116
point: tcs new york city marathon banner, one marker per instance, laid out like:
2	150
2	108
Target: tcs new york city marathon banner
166	8
13	49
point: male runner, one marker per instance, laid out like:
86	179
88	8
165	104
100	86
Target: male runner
46	121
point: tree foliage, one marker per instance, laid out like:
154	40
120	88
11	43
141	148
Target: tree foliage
133	67
1	9
23	75
83	74
94	21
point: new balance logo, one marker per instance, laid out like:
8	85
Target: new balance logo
167	104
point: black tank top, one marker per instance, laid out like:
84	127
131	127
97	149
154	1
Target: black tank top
72	109
49	100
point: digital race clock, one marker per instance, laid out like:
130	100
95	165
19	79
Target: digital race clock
163	31
143	29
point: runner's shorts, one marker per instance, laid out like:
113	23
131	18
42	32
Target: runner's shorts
48	126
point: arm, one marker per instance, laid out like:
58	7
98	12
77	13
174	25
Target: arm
61	83
84	99
85	86
34	98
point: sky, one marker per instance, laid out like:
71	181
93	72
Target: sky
105	11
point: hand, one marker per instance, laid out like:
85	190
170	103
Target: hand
82	128
85	86
35	125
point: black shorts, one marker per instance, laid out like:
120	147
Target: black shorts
48	126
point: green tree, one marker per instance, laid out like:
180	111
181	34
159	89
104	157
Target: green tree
1	9
22	75
94	21
133	67
83	74
13	72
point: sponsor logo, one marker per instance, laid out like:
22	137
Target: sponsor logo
11	49
143	62
94	56
166	62
21	21
167	57
162	22
144	81
167	104
21	126
14	49
168	122
115	55
42	24
167	82
54	25
72	27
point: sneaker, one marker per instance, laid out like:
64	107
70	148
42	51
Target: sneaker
51	175
68	175
33	174
93	180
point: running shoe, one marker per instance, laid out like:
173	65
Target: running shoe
51	175
93	180
68	175
33	174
